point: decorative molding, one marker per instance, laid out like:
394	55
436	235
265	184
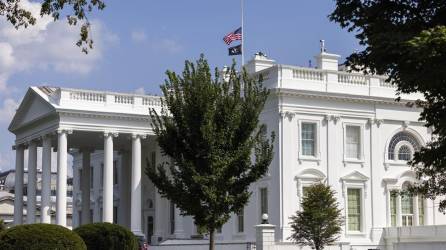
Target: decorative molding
64	130
141	136
333	117
376	121
111	133
405	124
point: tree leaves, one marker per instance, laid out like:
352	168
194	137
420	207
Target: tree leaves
319	222
209	128
20	17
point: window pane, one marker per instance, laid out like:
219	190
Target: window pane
404	153
420	210
241	224
354	209
308	138
353	139
393	210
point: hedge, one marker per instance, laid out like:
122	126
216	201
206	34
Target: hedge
107	236
40	237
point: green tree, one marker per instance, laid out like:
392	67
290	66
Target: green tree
75	11
209	128
2	225
406	40
319	222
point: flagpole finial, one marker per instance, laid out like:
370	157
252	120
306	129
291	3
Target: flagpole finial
323	49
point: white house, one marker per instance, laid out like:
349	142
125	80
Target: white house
332	126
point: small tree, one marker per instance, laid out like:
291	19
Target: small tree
320	221
209	128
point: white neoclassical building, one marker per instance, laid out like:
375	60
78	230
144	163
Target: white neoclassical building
340	128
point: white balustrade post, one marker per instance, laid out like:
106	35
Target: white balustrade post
85	186
135	219
107	200
18	188
265	236
45	210
32	183
61	185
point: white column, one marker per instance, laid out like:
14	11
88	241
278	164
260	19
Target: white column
18	188
124	190
61	186
135	219
45	210
32	181
107	200
85	186
399	221
96	193
179	231
416	211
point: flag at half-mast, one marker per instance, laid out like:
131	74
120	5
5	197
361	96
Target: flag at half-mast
233	36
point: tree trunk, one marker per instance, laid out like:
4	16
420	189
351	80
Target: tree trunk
211	239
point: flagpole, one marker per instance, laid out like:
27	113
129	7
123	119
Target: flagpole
243	37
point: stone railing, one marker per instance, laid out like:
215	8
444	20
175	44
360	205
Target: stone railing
97	98
350	78
308	74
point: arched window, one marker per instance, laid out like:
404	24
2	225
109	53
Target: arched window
404	153
402	146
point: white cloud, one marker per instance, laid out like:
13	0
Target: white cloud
138	36
7	110
171	46
47	45
6	160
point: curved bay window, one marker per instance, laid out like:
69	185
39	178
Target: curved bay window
402	146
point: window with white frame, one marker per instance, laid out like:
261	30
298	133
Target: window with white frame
409	212
308	138
353	141
354	204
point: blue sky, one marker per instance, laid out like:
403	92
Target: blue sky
137	41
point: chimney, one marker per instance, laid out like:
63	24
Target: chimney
326	60
259	62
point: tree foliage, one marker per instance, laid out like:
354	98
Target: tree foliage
406	39
107	236
209	128
319	222
75	11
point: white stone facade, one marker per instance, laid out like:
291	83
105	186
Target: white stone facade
331	126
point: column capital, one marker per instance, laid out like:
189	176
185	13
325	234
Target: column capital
110	133
141	136
64	131
46	136
333	117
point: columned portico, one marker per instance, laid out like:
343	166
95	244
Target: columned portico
32	183
61	193
18	187
107	205
45	210
136	185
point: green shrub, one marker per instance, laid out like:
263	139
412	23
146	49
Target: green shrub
107	236
40	237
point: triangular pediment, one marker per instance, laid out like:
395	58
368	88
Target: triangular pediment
355	176
32	108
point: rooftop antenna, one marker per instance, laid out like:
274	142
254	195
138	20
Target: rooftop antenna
323	49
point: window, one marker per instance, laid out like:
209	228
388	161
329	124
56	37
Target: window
172	217
420	210
404	153
353	142
308	141
115	214
263	202
407	212
153	158
115	172
354	209
305	191
91	215
393	209
241	221
149	229
102	174
91	177
402	142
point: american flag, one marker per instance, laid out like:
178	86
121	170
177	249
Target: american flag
233	36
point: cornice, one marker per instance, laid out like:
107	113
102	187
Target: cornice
93	114
339	96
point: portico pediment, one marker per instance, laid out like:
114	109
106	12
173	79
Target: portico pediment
32	108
